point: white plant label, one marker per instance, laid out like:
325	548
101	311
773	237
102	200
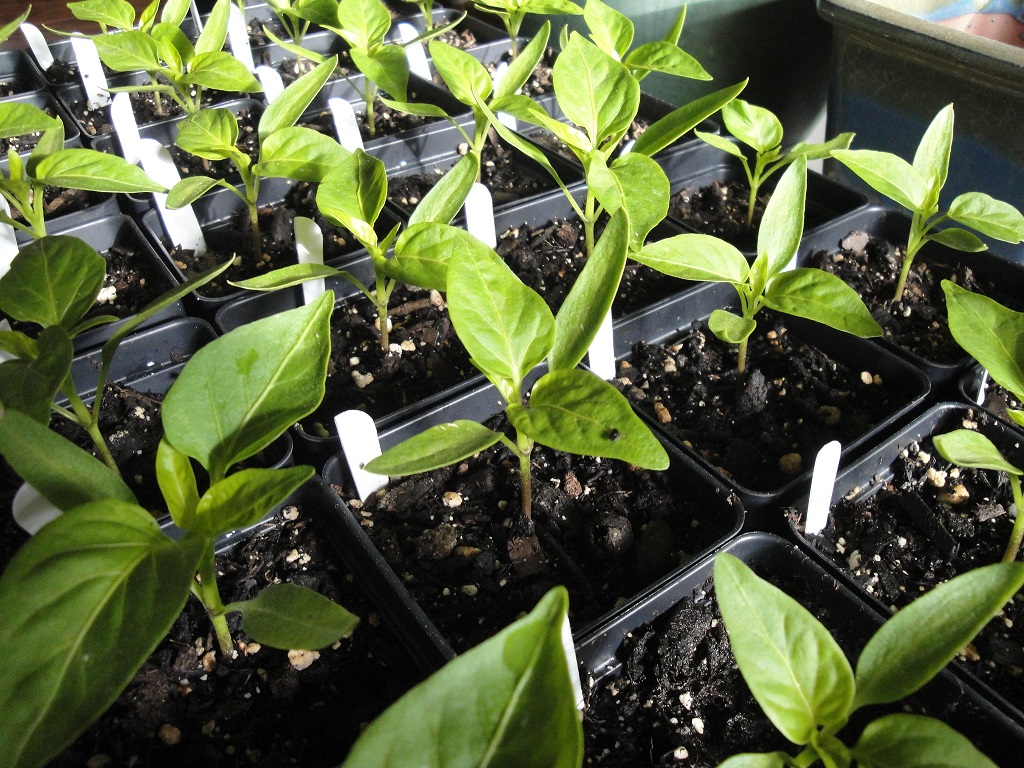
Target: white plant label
479	210
309	246
123	118
823	482
5	325
415	53
345	126
181	224
90	70
8	244
37	44
503	117
238	37
197	18
982	387
360	445
574	666
601	355
627	147
270	78
31	509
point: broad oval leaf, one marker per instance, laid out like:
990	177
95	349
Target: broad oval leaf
989	216
696	257
610	30
222	71
782	224
663	56
440	446
293	101
528	717
594	90
354	191
920	639
190	189
239	392
173	46
968	448
729	327
245	497
443	201
464	75
573	410
645	191
363	23
422	253
94	171
755	126
128	51
796	671
912	741
17	119
958	239
387	67
300	153
210	134
888	174
822	297
119	14
291	616
85	601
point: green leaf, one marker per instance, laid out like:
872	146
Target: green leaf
591	296
696	257
85	601
915	741
422	253
52	281
669	128
890	175
440	446
610	30
244	498
575	411
190	189
818	151
29	386
505	326
286	277
174	12
782	224
177	483
221	71
50	142
148	16
291	616
522	66
10	27
796	671
992	334
989	216
919	640
215	30
416	108
363	23
17	119
755	126
822	297
443	201
527	719
119	14
466	78
967	448
322	12
300	153
128	51
931	159
353	194
722	143
386	67
210	134
729	327
295	99
958	239
757	760
594	90
645	192
94	171
173	46
662	56
237	394
18	344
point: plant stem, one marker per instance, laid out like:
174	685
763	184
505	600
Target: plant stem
380	300
524	447
89	421
914	243
371	120
1017	534
210	597
741	360
589	219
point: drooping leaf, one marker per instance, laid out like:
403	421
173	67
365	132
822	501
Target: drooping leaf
18	119
822	297
989	216
443	201
177	481
440	446
190	189
968	448
594	90
286	277
387	67
94	171
782	224
422	253
573	410
527	719
295	99
222	71
9	28
696	257
673	125
755	126
85	602
721	142
796	671
300	153
920	639
888	174
245	497
915	741
730	327
291	616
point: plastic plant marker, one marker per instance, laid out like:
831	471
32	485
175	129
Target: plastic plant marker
31	510
309	245
574	667
123	118
359	445
197	17
271	81
238	38
8	241
823	480
90	70
601	354
37	44
5	325
982	388
503	117
181	224
479	210
627	147
415	53
345	125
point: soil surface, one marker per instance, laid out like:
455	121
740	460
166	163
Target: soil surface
928	523
59	202
387	122
25	142
794	398
720	209
189	706
600	527
96	122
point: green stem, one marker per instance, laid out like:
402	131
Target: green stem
524	447
89	421
371	119
741	360
914	243
210	597
589	220
380	300
1017	534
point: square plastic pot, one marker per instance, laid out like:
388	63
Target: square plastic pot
18	73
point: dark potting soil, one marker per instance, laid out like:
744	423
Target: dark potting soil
59	201
917	322
387	122
24	142
96	122
424	357
930	522
794	399
602	528
189	706
549	257
130	284
720	209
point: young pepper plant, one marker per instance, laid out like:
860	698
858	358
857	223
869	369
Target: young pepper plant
760	130
513	12
809	293
89	597
51	164
802	680
285	149
120	14
917	188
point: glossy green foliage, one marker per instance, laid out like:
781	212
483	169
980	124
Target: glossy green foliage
512	13
11	27
508	702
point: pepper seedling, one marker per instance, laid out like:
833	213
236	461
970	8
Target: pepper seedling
352	196
119	14
513	12
760	130
286	150
294	15
51	164
427	9
917	188
89	597
802	680
808	293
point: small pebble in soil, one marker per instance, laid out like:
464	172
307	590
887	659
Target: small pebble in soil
302	659
791	464
169	734
957	495
662	413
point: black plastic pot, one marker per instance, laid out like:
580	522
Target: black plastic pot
894	225
873	474
18	73
717	506
671	318
845	615
46	102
